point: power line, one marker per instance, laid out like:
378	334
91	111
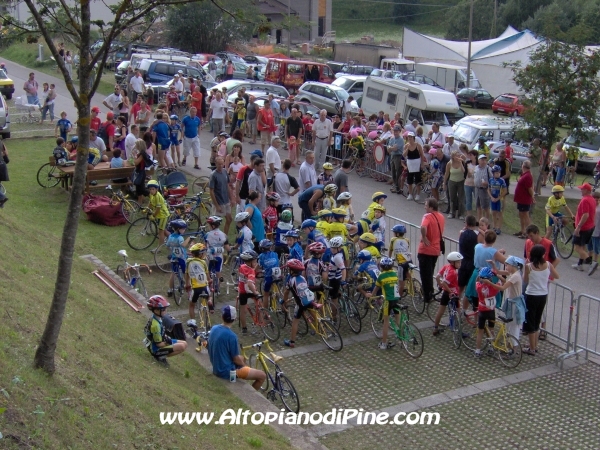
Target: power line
391	17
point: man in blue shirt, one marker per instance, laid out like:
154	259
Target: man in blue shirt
308	200
395	147
224	351
191	136
161	132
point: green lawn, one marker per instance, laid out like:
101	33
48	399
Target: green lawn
107	392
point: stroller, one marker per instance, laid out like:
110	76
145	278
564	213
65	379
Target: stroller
25	110
173	184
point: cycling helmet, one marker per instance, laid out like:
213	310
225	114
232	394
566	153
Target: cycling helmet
178	224
379	208
372	135
368	238
324	213
308	223
454	256
336	242
157	302
557	188
486	273
496	168
295	264
265	244
287	205
249	255
174	117
377	195
344	196
353	133
286	216
364	255
317	247
515	261
292	233
75	140
255	152
273	196
214	220
241	217
386	263
330	189
327	166
399	228
199	247
153	183
338	212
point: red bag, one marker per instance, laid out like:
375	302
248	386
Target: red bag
99	210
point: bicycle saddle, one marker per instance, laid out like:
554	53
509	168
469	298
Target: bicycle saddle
504	319
123	253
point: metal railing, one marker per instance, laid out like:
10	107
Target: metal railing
587	335
558	317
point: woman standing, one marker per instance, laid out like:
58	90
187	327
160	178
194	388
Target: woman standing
466	247
124	105
142	118
69	63
120	135
413	154
483	254
150	147
470	181
48	95
455	178
255	221
142	161
559	160
537	274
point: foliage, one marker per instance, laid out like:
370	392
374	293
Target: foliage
458	20
404	11
193	34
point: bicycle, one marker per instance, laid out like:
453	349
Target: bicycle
204	316
49	176
405	332
261	318
281	384
503	345
570	177
275	303
414	290
162	255
142	232
324	327
131	274
562	238
594	180
358	162
129	208
350	312
451	314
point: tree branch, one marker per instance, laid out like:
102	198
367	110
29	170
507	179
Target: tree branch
74	24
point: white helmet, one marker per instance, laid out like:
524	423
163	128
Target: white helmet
336	242
454	256
344	196
240	217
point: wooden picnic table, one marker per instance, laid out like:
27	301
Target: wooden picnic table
102	171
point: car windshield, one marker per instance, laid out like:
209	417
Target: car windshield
464	133
3	75
344	83
505	99
430	117
229	84
342	95
589	144
466	92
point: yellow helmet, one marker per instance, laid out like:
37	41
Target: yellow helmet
558	188
327	166
154	184
379	208
377	195
368	237
339	212
199	247
324	213
330	189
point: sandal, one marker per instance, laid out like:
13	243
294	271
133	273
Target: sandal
528	351
518	234
542	336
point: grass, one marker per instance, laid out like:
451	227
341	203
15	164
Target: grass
107	392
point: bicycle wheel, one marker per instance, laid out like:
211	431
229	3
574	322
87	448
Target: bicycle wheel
376	317
270	327
563	242
130	210
140	287
443	194
200	184
287	393
352	315
456	328
205	318
412	340
417	296
2	189
362	305
204	212
192	220
302	323
330	335
162	258
509	351
179	291
269	368
46	176
142	233
331	312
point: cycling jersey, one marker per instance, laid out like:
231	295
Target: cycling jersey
155	332
269	262
280	230
323	227
370	271
174	133
496	185
158	201
198	272
487	297
246	275
314	269
296	252
554	204
270	217
449	275
373	251
387	281
216	241
336	266
300	291
175	244
378	229
401	249
369	213
362	226
328	203
338	229
244	239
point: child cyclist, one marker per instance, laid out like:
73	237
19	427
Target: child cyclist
268	263
283	226
217	243
157	342
175	137
337	269
329	197
159	209
314	267
400	252
297	285
244	238
314	235
324	218
486	294
368	270
337	228
378	225
377	199
292	238
326	177
447	280
497	190
387	281
270	215
196	278
343	201
247	283
553	205
368	242
177	245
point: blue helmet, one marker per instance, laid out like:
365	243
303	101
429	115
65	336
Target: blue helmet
178	224
515	261
292	233
257	153
364	255
399	228
386	263
486	273
75	139
174	117
496	168
308	223
265	244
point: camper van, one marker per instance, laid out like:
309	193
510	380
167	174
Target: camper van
136	58
450	77
412	100
292	73
397	65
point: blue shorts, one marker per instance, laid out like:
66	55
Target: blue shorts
550	220
267	284
177	265
174	142
596	244
215	265
496	206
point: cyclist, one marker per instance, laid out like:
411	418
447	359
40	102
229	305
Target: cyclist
244	238
326	177
447	280
338	228
553	206
400	251
268	262
283	226
270	213
368	242
314	268
378	224
314	235
387	281
303	296
328	198
367	269
159	209
157	342
344	201
497	190
295	251
486	294
337	269
177	245
196	278
324	218
572	159
377	199
217	243
247	283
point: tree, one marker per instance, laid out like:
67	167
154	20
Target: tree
561	87
405	11
515	12
50	18
458	20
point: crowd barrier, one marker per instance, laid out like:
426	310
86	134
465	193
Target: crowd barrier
586	327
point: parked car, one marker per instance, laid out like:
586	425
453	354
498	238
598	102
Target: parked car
7	85
335	66
239	70
256	60
353	84
233	86
230	56
589	150
387	74
352	69
4	119
203	58
519	153
477	98
455	117
421	79
292	73
163	71
508	104
121	71
323	96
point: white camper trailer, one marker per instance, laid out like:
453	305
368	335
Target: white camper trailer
450	77
412	100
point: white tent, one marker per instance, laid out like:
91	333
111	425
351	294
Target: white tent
487	57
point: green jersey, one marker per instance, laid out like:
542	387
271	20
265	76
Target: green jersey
388	282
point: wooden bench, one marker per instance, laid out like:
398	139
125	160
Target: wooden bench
107	175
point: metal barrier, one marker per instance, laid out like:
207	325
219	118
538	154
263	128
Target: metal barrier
587	335
558	318
338	150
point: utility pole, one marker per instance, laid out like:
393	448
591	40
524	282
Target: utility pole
493	30
289	29
470	40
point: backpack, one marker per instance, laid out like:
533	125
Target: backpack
103	133
60	156
244	190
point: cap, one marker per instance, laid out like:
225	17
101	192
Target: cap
229	313
410	133
223	134
275	138
450	135
110	115
257	153
482	156
585	187
95	109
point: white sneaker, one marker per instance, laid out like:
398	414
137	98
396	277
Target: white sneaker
410	197
416	198
450	216
382	346
593	268
108	188
577	267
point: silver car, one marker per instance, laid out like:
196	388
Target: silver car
4	119
324	96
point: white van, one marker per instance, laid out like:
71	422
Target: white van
136	58
492	128
397	65
452	78
412	100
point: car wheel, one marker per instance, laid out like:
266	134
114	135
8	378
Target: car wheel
515	113
6	136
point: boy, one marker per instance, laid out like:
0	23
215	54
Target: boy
283	226
313	235
315	269
63	126
159	209
326	177
595	235
303	296
240	110
378	225
338	228
337	269
247	283
270	213
367	242
295	249
377	199
196	278
329	197
60	152
553	205
497	191
268	261
447	280
217	243
175	136
486	306
400	251
324	218
367	269
177	244
158	344
387	281
244	238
